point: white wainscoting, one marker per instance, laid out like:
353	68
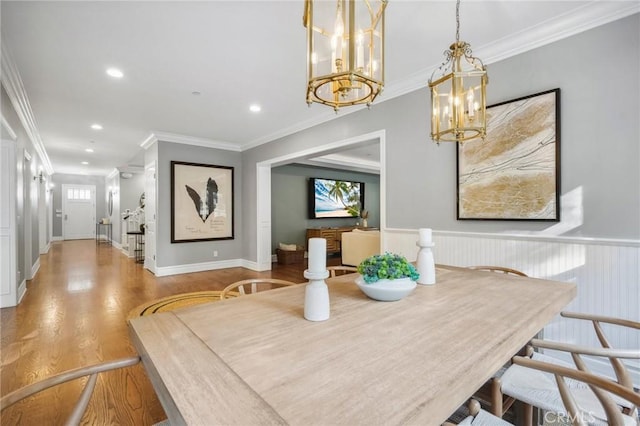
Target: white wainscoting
607	273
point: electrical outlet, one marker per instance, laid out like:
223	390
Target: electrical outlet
215	253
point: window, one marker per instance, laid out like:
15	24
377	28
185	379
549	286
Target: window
78	194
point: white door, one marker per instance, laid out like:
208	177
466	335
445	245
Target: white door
78	212
42	214
150	217
8	273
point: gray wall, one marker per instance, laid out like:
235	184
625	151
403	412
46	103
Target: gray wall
130	191
599	133
59	179
27	224
168	254
289	198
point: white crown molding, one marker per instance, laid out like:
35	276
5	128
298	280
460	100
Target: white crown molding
11	81
113	174
189	140
589	16
338	161
150	140
7	128
327	116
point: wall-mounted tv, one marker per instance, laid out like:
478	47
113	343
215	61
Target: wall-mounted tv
331	198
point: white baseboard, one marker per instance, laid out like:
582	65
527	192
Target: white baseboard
254	266
116	244
57	239
22	290
35	268
162	271
46	248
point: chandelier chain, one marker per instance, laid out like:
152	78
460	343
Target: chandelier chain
457	21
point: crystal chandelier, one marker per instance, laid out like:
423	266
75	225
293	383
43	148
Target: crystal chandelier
345	51
458	94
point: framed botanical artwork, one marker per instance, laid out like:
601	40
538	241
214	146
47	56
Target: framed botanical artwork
515	173
201	202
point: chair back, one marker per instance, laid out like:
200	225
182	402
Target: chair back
253	285
498	269
600	386
341	270
83	400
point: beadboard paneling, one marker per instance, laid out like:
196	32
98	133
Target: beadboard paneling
607	273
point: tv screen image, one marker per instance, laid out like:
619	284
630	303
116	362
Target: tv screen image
331	198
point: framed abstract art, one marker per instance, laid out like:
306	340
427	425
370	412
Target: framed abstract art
515	173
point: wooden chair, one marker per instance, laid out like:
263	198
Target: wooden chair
251	286
498	269
607	394
518	383
333	270
479	417
60	378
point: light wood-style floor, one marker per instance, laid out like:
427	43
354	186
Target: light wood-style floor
74	314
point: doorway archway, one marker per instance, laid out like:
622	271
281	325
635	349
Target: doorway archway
263	188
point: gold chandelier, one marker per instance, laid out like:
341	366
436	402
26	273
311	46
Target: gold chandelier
345	51
458	94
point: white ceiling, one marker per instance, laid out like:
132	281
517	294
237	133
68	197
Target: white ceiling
234	53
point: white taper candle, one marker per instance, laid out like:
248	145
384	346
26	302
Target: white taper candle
425	236
317	255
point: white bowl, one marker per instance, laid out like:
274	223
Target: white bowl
387	290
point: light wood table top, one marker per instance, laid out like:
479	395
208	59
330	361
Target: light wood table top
256	360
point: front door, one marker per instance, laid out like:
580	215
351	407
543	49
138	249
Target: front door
78	212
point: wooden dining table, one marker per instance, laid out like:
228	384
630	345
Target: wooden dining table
255	360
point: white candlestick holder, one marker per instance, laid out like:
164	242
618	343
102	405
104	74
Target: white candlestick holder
316	296
425	264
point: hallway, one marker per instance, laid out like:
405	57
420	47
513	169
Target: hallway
74	314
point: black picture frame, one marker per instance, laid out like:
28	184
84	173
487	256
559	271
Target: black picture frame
514	175
201	202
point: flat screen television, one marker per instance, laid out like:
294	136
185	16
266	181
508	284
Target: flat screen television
332	198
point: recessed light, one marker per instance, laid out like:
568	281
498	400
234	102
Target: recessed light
96	126
196	93
255	108
115	73
88	150
85	163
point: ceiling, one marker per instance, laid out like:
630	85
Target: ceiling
233	54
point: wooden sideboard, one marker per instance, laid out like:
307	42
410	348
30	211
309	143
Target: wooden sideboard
332	235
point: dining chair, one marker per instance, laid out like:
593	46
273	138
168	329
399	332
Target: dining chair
586	398
80	408
342	269
479	417
250	286
498	269
535	389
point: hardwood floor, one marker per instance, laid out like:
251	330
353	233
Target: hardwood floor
74	314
